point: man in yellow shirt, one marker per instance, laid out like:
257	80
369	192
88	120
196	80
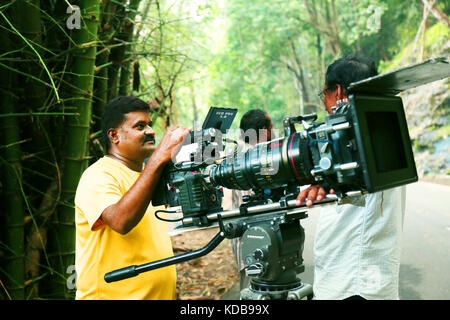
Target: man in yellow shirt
115	224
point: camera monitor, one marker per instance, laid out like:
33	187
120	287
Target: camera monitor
219	118
383	141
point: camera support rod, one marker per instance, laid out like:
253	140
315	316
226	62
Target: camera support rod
132	271
263	208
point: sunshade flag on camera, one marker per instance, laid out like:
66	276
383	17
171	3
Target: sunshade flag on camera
394	82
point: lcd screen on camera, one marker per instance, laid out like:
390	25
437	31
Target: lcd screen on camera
384	145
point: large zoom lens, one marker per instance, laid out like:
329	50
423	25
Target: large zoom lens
267	165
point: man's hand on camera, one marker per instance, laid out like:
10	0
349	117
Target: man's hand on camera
311	194
171	142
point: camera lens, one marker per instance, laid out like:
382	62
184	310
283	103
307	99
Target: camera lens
267	165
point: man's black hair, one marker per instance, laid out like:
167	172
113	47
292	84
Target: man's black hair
254	119
346	70
114	114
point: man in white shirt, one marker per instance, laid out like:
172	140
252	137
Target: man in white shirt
357	245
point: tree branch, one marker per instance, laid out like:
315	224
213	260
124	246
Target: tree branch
437	13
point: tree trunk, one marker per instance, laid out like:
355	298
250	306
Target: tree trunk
194	106
437	13
424	31
421	29
319	61
125	72
75	161
328	26
29	25
299	73
335	38
105	34
12	225
173	106
117	53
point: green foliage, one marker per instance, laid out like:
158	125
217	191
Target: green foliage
435	37
252	70
358	19
250	73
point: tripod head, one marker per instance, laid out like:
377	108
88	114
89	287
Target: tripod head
272	249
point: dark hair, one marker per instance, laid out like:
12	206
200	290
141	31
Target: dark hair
254	119
114	114
346	70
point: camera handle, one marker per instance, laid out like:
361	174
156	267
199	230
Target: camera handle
132	271
289	123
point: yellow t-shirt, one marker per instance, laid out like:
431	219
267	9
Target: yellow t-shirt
100	249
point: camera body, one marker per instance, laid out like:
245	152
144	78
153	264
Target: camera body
183	184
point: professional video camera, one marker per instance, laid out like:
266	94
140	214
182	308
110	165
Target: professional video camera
183	183
363	147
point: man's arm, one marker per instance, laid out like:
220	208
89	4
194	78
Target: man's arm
129	210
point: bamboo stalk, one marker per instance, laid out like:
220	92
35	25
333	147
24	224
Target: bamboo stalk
13	213
62	233
116	53
125	71
102	62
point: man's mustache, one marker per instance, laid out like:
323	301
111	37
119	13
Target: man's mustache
148	138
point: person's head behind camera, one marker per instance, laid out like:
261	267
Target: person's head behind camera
340	74
346	70
255	126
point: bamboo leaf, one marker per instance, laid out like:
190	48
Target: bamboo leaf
34	50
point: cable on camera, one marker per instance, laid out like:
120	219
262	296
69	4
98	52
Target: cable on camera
167	220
